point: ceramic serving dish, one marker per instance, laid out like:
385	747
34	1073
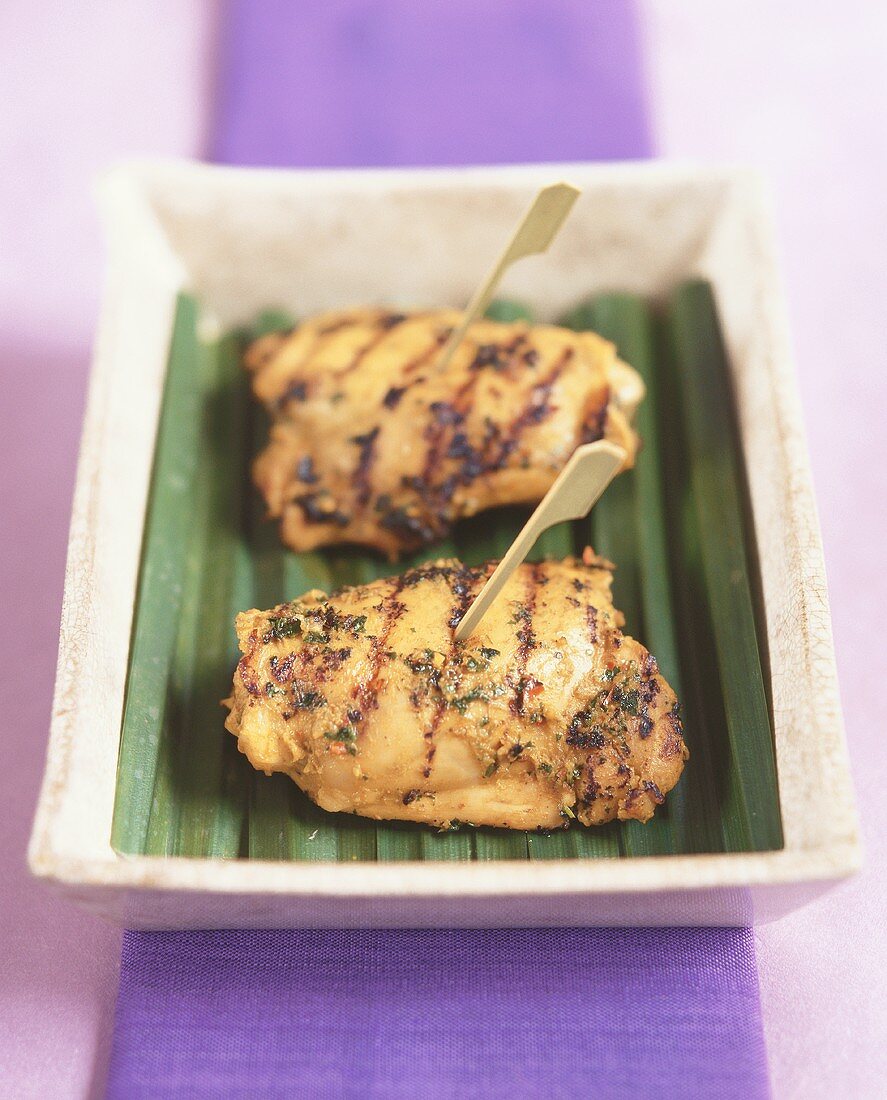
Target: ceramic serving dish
242	240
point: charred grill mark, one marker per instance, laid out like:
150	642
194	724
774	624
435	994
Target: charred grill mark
418	522
427	355
440	706
526	641
534	412
412	529
366	691
321	507
260	352
648	688
367	445
282	669
457	455
336	326
445	415
592	787
500	357
248	676
445	570
420	573
461	581
591	622
383	326
517	357
497	356
594	421
305	471
424	518
333	659
673	745
392	398
307	669
296	390
630	799
654	792
451	415
459	446
583	734
487	355
318	664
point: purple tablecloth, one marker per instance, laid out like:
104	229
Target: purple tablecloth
538	1012
398	82
666	1013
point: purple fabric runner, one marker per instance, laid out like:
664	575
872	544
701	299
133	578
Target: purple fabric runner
667	1013
572	1013
398	82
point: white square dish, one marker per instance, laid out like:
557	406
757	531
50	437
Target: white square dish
243	240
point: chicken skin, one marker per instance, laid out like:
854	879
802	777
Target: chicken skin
547	713
372	444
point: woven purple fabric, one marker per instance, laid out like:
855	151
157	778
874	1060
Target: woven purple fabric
667	1013
401	82
435	1014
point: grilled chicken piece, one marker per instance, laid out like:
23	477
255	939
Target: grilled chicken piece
372	444
549	712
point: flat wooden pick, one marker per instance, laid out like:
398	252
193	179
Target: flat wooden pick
537	229
579	486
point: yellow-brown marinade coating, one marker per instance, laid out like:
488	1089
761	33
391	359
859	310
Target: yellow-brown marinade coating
372	444
549	712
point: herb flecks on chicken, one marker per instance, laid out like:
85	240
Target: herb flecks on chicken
371	444
548	713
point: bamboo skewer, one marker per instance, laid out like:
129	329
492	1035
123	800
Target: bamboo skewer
537	229
579	485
